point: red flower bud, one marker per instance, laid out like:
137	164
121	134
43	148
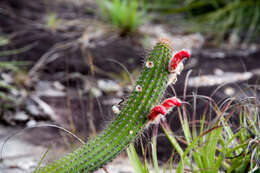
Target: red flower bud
158	109
170	102
177	58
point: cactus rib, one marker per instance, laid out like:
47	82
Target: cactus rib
128	124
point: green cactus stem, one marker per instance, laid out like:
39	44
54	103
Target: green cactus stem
127	125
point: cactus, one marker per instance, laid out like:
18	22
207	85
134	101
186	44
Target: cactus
130	121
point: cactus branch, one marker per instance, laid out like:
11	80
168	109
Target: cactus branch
128	124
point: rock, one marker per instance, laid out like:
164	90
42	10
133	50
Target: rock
226	53
95	92
215	54
31	123
18	155
47	110
234	40
6	78
229	91
57	85
15	92
20	117
46	88
32	108
211	80
108	86
4	169
119	165
27	164
218	72
256	71
111	101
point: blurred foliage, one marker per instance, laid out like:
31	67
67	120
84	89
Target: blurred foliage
12	75
3	40
16	51
219	17
6	88
13	65
126	15
52	21
11	79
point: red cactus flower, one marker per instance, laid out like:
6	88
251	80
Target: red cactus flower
170	102
177	58
158	109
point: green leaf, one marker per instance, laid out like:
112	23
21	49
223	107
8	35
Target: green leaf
134	159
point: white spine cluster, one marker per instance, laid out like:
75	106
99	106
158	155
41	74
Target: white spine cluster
115	109
138	88
149	64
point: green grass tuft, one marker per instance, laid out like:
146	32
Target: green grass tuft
216	145
126	15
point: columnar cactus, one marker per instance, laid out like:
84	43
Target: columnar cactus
138	111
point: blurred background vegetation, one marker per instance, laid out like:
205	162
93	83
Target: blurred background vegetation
220	19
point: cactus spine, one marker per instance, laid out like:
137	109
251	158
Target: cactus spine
128	124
